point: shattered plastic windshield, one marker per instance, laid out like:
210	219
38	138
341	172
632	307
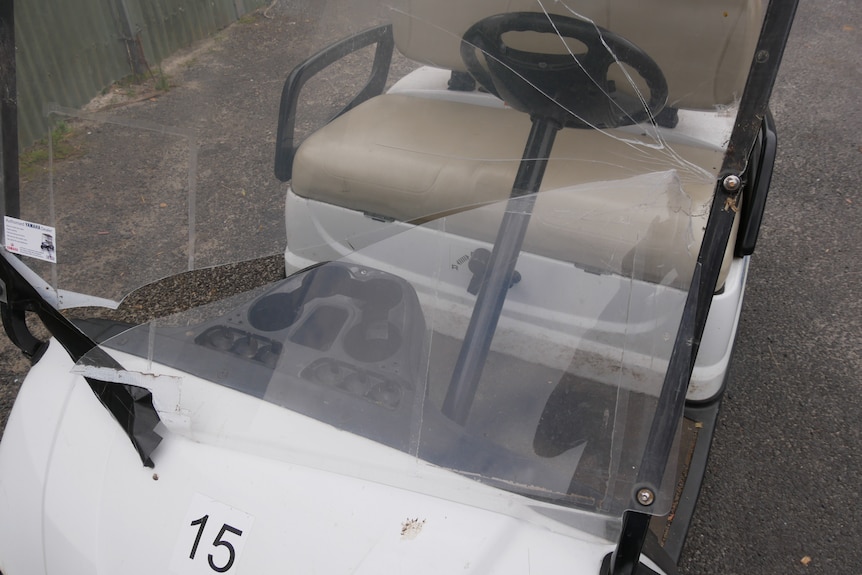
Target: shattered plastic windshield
467	232
369	344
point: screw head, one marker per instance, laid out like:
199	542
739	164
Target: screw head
731	183
645	497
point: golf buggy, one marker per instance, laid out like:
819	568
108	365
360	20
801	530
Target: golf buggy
515	258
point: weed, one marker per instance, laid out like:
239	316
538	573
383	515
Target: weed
128	85
163	82
60	131
34	160
133	85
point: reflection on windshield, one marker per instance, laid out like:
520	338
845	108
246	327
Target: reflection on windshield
496	248
562	405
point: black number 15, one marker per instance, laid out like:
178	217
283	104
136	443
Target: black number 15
217	542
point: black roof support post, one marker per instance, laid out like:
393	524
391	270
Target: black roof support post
13	316
8	112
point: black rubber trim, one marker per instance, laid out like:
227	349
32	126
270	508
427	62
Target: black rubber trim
757	188
8	114
639	569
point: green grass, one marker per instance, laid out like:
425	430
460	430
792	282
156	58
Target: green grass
129	85
34	160
162	81
135	84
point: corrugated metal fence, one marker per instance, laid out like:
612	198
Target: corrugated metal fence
68	51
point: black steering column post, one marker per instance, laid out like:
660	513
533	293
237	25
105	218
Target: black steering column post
557	90
500	270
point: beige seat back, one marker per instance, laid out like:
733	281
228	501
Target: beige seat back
704	47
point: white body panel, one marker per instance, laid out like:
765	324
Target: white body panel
300	506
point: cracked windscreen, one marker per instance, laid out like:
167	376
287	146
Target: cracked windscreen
465	231
371	344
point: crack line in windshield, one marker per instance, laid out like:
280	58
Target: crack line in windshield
655	133
610	51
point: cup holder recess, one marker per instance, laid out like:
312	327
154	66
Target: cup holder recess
380	294
372	341
242	344
372	387
274	312
370	337
280	310
355	330
321	328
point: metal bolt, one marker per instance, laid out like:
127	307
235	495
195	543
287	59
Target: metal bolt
731	183
646	497
761	57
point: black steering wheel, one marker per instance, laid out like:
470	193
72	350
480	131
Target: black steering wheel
570	89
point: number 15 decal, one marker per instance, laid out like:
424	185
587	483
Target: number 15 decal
211	539
218	541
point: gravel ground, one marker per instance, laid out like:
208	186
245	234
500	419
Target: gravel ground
781	493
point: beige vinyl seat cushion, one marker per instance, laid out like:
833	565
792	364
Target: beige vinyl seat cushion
604	198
